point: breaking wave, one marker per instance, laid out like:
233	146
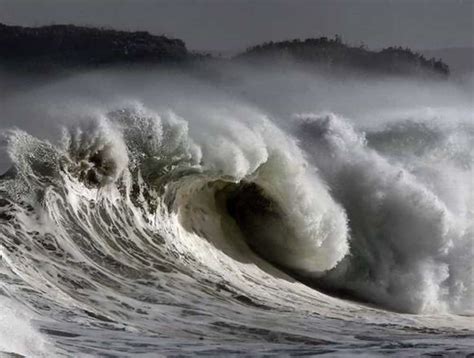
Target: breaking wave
135	213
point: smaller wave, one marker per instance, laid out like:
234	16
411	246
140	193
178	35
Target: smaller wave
405	239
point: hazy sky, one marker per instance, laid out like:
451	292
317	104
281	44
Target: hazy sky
229	25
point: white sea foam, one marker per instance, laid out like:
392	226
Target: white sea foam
17	335
160	218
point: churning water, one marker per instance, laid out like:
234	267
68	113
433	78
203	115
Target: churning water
282	215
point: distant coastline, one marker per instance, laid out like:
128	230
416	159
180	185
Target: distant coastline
51	48
54	48
333	54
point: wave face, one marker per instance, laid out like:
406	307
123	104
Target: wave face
145	230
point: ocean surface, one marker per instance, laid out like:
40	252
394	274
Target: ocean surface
147	214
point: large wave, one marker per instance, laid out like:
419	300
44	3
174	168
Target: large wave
140	207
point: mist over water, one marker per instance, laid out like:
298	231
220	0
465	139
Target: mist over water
153	211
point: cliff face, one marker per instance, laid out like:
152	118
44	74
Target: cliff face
50	47
333	55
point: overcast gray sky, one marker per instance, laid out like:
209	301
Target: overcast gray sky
236	24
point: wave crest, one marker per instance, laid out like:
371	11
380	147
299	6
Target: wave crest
324	203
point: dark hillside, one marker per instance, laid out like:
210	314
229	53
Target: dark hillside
333	55
68	46
50	49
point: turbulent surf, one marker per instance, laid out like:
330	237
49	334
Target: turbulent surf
173	216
